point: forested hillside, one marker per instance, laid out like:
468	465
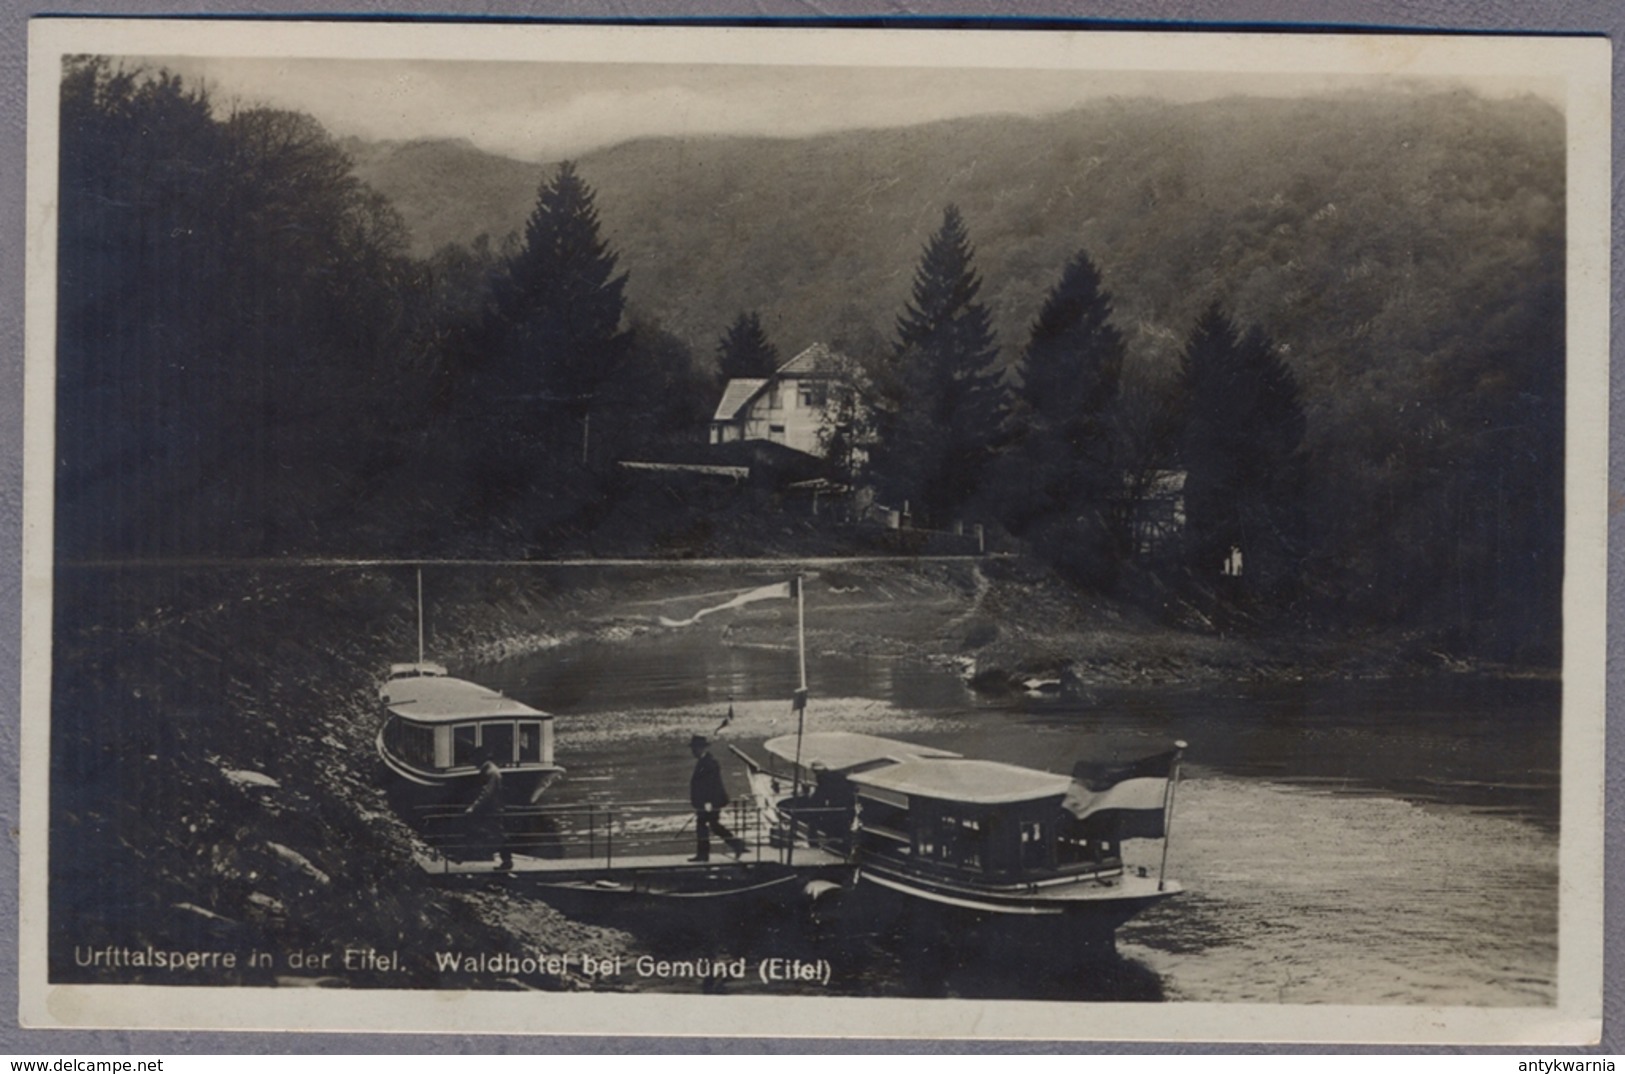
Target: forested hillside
272	342
1333	220
1404	251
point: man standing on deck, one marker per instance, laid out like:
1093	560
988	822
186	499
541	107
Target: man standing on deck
485	814
708	796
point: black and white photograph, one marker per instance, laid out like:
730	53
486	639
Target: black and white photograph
1000	533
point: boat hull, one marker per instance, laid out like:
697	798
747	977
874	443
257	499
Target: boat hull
1064	923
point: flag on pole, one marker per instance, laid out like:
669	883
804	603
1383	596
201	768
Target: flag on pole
776	591
1134	794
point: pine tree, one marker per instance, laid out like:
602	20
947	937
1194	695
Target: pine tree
1243	456
745	351
543	360
559	305
940	399
1060	463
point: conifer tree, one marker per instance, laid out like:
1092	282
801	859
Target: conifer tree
549	348
1243	456
559	305
745	351
1060	463
940	399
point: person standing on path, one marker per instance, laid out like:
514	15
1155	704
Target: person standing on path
708	796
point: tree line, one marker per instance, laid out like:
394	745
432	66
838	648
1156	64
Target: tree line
249	361
1059	455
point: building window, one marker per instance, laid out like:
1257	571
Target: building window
775	432
811	395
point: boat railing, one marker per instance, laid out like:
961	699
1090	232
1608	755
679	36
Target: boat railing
796	824
593	833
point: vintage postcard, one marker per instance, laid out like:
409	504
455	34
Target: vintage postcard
797	532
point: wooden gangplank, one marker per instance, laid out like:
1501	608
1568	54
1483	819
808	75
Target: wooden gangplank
643	842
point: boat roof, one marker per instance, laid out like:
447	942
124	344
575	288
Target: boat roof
423	667
840	751
438	699
959	779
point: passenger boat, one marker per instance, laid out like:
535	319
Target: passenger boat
437	730
1034	856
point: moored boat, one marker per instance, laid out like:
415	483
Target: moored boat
438	730
1035	856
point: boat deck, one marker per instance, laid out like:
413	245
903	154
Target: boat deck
805	858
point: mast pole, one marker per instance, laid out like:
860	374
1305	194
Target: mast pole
420	620
801	629
801	692
1168	811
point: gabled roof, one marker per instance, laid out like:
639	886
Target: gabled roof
739	392
816	359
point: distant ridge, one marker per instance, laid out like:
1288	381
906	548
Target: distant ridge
1348	225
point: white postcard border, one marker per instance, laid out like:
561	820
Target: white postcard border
1582	63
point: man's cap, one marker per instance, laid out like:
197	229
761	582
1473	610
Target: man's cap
698	740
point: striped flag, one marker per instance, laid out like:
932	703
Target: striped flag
776	591
1134	795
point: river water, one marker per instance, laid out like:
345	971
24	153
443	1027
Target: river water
1389	842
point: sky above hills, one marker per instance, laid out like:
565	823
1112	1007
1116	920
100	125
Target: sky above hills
544	111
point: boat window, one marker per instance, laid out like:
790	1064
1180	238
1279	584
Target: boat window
926	843
1082	842
966	847
464	746
882	826
413	744
1034	847
496	740
530	742
950	838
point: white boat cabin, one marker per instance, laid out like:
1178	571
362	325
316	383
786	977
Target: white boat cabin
976	816
439	725
940	812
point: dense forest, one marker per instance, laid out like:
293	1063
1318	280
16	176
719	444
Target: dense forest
1342	317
